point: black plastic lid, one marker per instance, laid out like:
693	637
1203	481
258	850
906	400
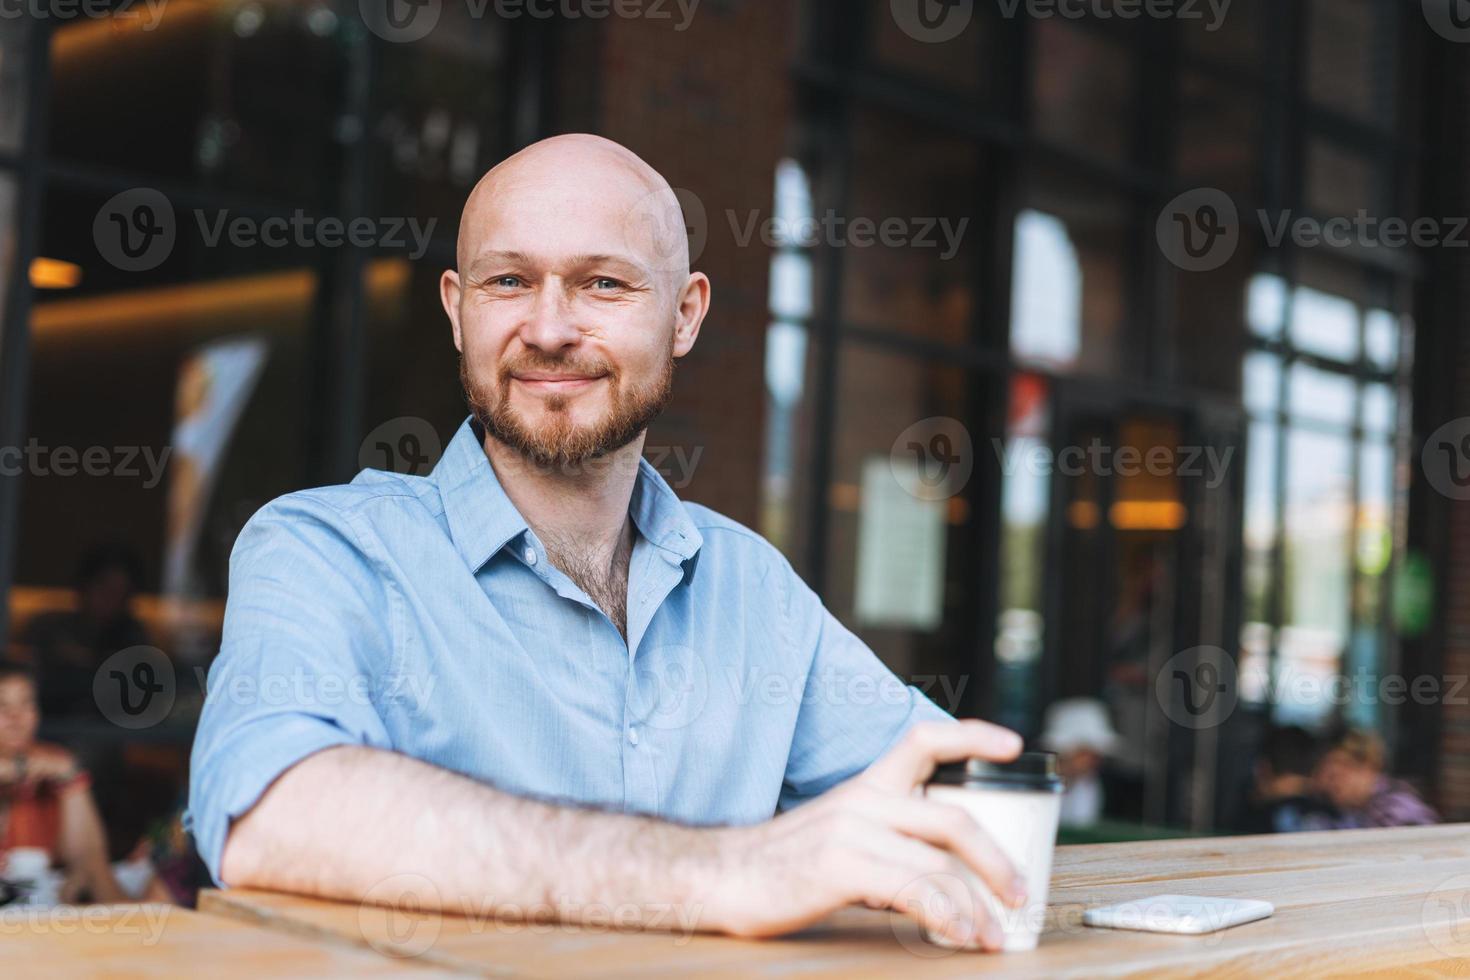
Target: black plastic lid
1035	771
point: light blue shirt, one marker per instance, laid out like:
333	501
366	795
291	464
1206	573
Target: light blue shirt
421	615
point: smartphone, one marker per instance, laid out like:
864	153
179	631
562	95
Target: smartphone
1183	914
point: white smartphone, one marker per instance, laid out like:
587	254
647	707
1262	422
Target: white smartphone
1184	914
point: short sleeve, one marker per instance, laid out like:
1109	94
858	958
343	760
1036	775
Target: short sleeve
853	707
306	633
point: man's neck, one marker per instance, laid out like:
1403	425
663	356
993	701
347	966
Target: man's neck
580	513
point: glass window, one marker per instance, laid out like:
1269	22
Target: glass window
1217	143
1232	39
1319	546
1381	339
1266	305
14	36
439	130
1325	324
1261	384
243	97
1340	183
1025	509
958	64
902	463
907	241
1322	396
1067	295
166	407
1350	57
1084	90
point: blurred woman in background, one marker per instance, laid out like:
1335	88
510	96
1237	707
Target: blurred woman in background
1351	777
52	846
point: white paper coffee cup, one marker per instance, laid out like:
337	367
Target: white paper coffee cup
1017	804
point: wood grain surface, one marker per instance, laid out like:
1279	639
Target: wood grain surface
1347	902
147	941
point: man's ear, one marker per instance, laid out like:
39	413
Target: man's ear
449	296
693	304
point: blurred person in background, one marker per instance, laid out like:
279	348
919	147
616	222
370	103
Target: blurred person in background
1283	798
51	839
68	646
1078	730
1351	776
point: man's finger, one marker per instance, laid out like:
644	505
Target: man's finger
929	743
957	832
926	885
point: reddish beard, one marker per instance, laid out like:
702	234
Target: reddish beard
558	442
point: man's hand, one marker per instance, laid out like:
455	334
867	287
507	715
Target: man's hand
874	840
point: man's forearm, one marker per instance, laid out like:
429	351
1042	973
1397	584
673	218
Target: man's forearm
358	823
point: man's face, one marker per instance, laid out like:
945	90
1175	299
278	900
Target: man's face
568	314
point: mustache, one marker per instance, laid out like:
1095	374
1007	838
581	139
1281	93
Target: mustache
529	361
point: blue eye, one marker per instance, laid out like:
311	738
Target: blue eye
507	281
610	283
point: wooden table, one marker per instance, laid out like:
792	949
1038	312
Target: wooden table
1346	902
125	941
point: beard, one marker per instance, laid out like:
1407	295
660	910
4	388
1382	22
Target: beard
559	442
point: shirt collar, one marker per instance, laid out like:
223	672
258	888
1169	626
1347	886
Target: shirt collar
482	519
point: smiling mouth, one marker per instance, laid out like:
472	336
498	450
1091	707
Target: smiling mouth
557	383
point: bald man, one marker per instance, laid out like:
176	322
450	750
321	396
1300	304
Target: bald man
535	682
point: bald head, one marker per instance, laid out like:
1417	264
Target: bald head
596	192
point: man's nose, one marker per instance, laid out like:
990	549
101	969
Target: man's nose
550	324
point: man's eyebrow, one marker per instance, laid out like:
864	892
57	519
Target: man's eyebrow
583	261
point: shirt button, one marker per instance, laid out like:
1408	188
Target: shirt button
530	556
632	735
